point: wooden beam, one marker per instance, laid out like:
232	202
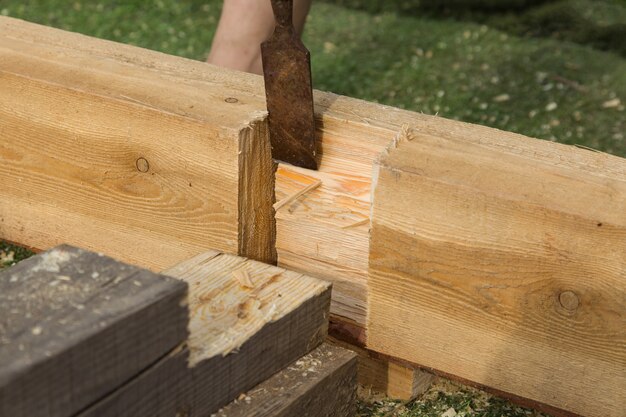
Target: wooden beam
323	232
120	91
320	384
248	320
128	152
498	263
91	182
75	325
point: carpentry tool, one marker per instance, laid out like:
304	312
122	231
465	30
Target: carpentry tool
288	90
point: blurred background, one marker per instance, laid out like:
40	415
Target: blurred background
551	69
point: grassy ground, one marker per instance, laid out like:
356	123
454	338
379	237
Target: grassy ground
10	254
555	70
446	399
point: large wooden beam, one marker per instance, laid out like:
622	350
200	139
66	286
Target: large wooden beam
85	113
75	325
323	231
494	262
82	116
128	152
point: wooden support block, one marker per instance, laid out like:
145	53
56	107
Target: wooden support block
379	374
248	320
75	325
128	152
492	261
320	384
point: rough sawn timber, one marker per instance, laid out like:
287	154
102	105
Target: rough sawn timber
247	321
320	384
324	232
75	325
499	264
125	151
78	113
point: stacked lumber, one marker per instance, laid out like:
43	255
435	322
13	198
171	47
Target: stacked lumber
321	383
76	325
487	247
85	335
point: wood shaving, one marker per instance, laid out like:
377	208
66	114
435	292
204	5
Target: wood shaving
287	200
357	224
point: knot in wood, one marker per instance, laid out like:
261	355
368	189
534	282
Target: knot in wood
569	300
142	165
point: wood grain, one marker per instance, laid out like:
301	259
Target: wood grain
224	313
135	80
240	335
119	156
75	325
502	267
332	221
320	384
324	232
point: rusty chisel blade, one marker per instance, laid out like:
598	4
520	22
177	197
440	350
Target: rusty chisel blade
288	91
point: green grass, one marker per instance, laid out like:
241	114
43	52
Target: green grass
473	73
554	70
11	254
601	24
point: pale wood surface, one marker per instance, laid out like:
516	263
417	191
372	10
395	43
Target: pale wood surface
226	311
80	118
110	82
378	375
324	232
192	94
320	384
503	266
75	325
240	335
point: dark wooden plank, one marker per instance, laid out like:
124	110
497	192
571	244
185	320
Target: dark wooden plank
239	336
75	325
320	384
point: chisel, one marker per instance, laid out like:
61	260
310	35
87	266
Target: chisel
288	91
